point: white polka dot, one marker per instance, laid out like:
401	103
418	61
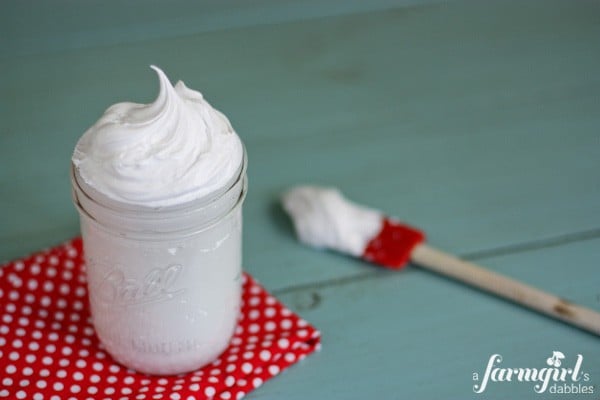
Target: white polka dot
254	301
7	382
128	380
48	286
58	386
17	343
44	372
230	368
111	379
78	376
162	381
290	357
21	394
253	328
209	391
265	355
30	358
248	355
63	362
256	382
80	363
302	333
194	387
41	384
94	378
35	269
15	280
247	367
273	369
92	390
283	343
254	289
75	389
229	381
27	371
13	356
270	326
61	373
34	346
67	351
67	275
270	312
175	396
232	358
97	366
64	289
286	324
225	395
254	314
126	390
109	390
32	284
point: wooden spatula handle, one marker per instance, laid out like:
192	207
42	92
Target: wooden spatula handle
502	286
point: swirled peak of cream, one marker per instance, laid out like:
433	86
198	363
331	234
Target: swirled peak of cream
323	218
174	150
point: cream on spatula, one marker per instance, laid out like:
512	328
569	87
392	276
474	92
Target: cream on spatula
323	218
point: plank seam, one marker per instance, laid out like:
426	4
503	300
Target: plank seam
532	245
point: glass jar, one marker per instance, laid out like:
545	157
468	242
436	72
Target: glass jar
164	283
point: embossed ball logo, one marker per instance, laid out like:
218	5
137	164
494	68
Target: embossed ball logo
156	286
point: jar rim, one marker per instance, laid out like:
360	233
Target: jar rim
190	216
115	205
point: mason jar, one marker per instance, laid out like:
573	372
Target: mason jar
164	283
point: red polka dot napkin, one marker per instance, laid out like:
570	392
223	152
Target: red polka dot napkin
48	349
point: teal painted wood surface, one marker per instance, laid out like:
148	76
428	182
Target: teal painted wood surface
476	121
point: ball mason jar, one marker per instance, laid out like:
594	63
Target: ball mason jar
164	284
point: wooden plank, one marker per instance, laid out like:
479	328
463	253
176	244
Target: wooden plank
39	27
412	334
477	122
